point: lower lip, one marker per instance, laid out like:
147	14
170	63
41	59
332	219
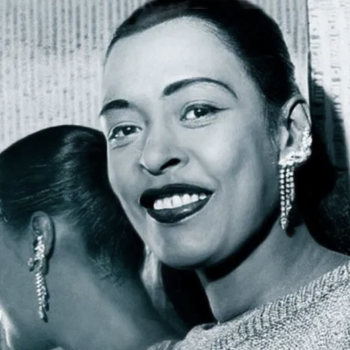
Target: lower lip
176	215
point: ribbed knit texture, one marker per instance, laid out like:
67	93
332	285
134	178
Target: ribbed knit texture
314	318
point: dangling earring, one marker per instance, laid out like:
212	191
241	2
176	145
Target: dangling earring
38	265
287	167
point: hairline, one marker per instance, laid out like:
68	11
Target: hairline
219	33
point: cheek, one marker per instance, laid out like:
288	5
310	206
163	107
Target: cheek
113	175
120	172
224	149
237	153
125	180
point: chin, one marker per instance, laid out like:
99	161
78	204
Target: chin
183	258
182	263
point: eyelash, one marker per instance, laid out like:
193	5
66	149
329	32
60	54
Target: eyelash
118	141
207	109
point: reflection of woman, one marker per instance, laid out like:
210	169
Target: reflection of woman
59	214
208	136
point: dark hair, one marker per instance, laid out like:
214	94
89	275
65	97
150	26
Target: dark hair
259	43
63	171
243	27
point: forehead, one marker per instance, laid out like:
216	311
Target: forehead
178	49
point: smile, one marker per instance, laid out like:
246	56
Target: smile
173	203
178	201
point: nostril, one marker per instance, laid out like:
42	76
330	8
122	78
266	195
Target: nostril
170	163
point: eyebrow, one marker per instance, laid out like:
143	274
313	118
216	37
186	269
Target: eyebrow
169	90
179	85
114	105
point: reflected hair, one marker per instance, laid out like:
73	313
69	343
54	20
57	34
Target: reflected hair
62	171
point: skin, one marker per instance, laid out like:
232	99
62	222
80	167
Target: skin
163	130
80	300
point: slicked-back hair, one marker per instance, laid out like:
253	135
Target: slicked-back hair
63	171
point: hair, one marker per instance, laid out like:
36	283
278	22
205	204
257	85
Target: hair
62	171
257	40
238	24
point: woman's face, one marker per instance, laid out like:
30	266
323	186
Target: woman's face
189	153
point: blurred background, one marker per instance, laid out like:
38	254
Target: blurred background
51	54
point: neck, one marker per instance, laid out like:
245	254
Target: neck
280	265
89	313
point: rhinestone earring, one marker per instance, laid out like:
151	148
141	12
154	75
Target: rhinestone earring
38	265
286	176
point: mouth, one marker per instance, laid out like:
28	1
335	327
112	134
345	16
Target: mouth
173	203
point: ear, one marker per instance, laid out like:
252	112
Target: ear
296	119
41	224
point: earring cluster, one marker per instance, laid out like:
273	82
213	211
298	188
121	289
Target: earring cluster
286	176
38	265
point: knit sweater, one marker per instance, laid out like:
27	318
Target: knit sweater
316	317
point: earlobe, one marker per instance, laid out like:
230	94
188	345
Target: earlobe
42	226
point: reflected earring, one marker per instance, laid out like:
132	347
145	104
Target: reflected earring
38	265
286	176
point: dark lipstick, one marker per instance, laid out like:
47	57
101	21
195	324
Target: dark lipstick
189	199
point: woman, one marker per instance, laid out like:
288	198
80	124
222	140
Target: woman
209	143
69	259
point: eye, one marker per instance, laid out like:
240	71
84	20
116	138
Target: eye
198	112
123	134
123	131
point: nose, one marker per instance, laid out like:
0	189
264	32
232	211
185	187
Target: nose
162	153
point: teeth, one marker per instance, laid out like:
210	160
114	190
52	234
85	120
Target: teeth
194	198
186	199
158	205
167	203
177	201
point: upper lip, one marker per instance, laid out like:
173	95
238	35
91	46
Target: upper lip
149	196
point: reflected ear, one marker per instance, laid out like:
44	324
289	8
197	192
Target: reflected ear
41	225
296	119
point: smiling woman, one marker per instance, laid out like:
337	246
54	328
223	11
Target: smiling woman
214	157
208	135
